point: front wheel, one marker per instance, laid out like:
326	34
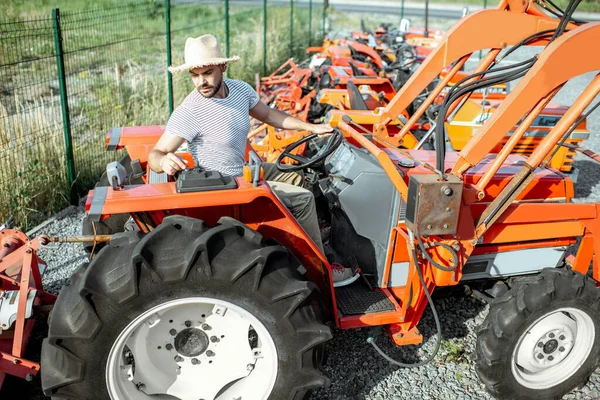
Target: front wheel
541	339
186	312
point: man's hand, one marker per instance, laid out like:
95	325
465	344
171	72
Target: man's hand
283	120
170	163
321	129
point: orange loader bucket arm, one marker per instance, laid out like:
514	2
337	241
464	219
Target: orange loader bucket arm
482	30
528	98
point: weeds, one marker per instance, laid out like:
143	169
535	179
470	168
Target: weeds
452	350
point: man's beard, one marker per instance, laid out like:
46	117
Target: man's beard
211	94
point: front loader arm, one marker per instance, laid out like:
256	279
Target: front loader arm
561	61
542	81
482	30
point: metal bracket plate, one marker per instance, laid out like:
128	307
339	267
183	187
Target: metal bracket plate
433	205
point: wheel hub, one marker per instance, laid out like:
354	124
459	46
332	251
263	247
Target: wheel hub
192	348
553	348
550	346
191	342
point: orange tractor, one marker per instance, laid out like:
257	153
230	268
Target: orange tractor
293	88
218	293
349	87
409	119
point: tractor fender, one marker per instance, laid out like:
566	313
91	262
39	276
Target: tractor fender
254	206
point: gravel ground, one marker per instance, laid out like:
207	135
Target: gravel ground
355	369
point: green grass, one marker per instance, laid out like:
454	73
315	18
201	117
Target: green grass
115	64
453	350
30	9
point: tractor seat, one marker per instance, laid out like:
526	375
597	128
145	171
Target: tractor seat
355	97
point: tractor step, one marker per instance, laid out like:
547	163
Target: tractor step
357	299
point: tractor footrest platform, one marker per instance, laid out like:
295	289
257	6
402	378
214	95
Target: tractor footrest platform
356	299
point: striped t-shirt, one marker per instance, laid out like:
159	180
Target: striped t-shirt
216	129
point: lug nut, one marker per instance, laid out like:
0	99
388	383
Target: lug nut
206	327
540	356
169	346
551	335
188	323
562	337
561	349
195	361
540	344
214	339
178	358
550	358
210	353
173	332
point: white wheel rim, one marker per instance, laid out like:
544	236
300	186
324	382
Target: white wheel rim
553	348
154	358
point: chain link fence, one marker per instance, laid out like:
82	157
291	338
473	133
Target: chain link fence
68	78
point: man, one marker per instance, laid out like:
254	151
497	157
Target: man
215	120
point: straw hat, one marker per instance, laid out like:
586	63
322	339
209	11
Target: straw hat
202	51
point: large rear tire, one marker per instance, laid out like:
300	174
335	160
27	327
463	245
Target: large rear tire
150	306
541	339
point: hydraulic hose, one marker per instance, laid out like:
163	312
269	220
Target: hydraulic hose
565	19
516	71
438	325
480	84
559	12
432	261
536	36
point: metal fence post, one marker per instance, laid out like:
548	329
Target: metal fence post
324	17
402	11
426	33
264	37
227	28
169	60
291	28
64	101
309	23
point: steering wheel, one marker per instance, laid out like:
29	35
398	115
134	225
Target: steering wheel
333	142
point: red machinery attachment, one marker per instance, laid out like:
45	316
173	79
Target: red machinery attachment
21	296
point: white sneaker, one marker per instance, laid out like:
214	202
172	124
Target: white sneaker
342	276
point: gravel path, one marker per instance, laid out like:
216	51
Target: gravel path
355	369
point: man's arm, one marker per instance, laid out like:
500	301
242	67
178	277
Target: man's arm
283	120
162	157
